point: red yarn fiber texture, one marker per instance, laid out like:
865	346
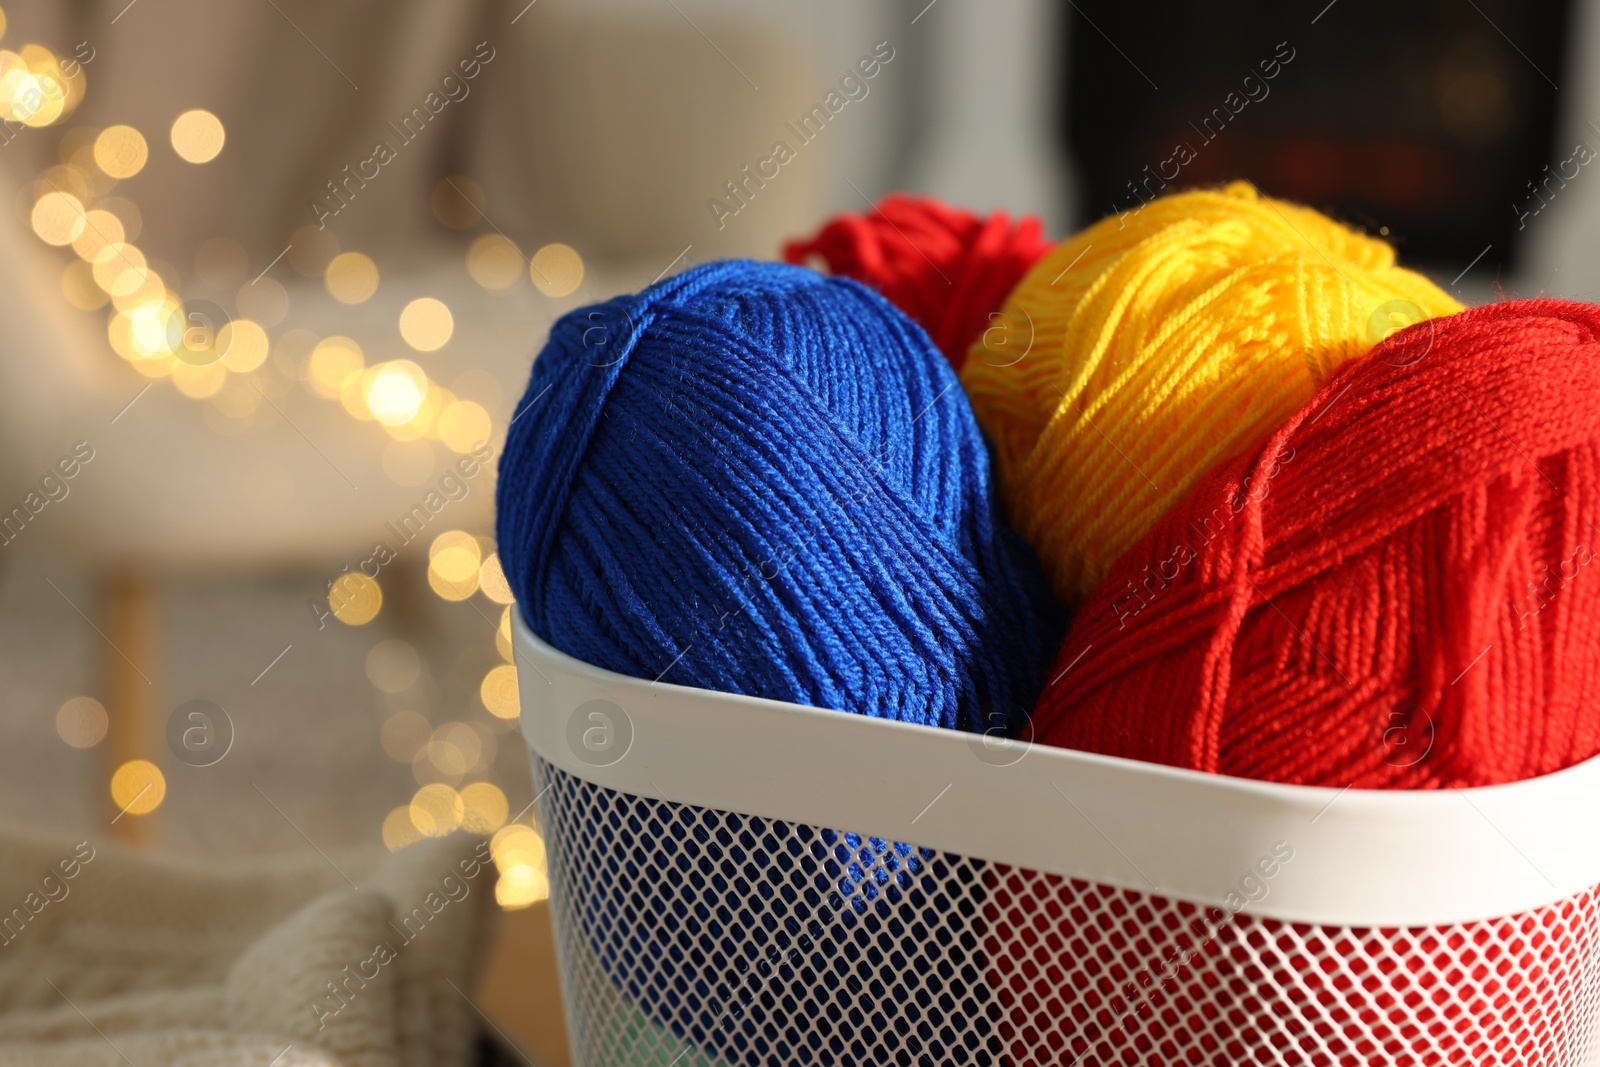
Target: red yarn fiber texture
947	268
1394	591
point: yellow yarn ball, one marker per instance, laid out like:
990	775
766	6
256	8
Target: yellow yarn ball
1154	345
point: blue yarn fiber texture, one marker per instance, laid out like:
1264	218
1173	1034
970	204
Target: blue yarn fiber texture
756	479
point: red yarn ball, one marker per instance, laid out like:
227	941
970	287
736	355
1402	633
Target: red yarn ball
1394	591
947	268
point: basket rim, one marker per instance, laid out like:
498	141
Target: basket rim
1357	857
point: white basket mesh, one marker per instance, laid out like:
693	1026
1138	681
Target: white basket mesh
690	937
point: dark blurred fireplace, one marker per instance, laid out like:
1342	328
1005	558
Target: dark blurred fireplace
1432	123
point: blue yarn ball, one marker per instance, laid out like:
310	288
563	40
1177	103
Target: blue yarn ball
756	479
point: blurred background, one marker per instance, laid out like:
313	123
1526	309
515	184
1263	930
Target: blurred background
274	274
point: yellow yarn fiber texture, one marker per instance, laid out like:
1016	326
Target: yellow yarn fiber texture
1154	345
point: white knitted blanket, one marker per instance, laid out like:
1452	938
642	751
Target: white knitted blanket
115	959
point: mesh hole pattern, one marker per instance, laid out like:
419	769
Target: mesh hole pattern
693	937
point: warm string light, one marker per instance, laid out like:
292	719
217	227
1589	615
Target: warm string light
151	327
222	362
82	722
454	559
495	261
519	853
34	89
120	151
138	787
443	757
426	324
499	691
198	136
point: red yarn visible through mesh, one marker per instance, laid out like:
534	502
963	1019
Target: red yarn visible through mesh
1394	591
1087	974
947	268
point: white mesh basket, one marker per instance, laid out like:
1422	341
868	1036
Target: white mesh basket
746	882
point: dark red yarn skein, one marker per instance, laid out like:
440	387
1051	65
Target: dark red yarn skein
947	268
1394	591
